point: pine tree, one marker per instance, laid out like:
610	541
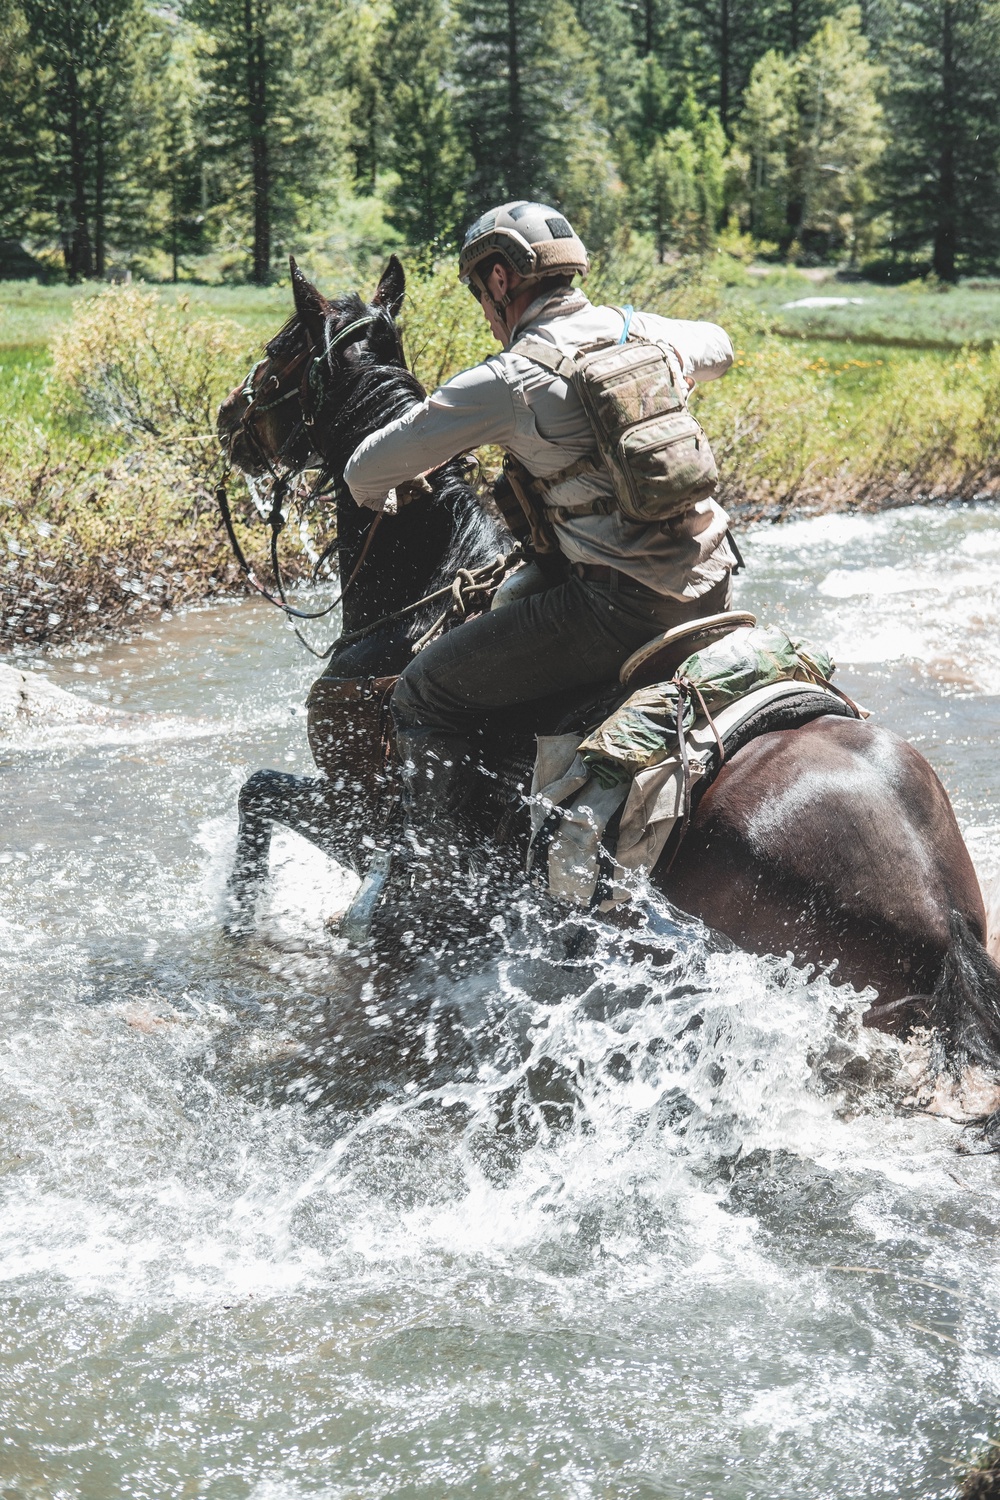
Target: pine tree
168	148
272	115
811	136
532	111
680	191
84	52
20	126
608	27
767	134
941	182
717	43
841	136
427	153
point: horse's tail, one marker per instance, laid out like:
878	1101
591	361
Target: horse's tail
965	1006
965	1010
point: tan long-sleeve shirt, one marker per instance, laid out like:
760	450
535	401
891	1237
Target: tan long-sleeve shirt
538	417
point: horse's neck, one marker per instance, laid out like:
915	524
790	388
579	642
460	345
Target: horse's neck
412	553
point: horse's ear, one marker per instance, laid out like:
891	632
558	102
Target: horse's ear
309	303
391	288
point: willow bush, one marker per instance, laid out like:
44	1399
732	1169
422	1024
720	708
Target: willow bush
108	522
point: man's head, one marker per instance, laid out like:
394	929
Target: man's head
514	253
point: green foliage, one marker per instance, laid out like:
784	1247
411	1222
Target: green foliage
110	518
274	135
680	186
810	138
107	464
211	138
444	330
428	156
150	369
71	129
532	112
941	187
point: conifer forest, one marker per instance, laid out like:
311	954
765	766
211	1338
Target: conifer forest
207	139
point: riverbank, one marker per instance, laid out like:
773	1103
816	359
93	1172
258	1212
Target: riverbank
843	397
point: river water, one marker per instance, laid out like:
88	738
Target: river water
234	1264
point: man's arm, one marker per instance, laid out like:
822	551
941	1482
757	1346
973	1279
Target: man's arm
705	349
473	408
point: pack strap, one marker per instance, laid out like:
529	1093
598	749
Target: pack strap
546	355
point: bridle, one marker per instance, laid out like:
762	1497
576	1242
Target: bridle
466	591
310	389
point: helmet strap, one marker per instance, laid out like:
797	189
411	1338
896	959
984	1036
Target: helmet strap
498	307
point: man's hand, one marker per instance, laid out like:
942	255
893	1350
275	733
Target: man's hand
413	489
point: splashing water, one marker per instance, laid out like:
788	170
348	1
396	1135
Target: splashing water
649	1222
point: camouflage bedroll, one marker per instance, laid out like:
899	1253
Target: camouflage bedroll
643	731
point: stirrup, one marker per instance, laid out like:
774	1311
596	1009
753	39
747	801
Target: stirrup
658	659
357	923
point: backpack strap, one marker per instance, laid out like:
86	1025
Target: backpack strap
545	354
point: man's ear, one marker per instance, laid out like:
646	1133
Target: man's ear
391	288
310	304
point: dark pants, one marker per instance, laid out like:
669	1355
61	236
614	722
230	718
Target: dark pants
573	635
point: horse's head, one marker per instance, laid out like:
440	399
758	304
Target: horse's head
284	414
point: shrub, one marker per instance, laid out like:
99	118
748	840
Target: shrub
146	367
98	535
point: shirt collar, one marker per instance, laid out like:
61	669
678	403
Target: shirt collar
557	304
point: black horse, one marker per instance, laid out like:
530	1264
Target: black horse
834	840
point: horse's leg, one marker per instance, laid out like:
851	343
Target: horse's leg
306	804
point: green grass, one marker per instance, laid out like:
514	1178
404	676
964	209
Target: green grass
917	317
30	315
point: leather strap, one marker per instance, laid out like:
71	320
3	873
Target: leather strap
610	577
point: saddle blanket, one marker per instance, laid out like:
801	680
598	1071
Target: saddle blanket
594	838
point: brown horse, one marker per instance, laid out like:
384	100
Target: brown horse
834	841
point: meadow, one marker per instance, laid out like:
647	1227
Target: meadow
873	396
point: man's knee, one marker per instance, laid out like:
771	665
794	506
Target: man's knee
409	706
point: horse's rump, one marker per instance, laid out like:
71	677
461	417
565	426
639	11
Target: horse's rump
835	841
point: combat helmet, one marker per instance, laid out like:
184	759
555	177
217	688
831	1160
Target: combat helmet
536	240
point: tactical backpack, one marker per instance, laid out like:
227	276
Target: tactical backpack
635	397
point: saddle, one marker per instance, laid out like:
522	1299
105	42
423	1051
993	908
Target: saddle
591	828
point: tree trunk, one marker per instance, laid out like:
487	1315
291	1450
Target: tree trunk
724	46
79	261
256	63
793	26
650	45
515	123
945	231
100	188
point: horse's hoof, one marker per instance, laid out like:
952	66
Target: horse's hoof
356	926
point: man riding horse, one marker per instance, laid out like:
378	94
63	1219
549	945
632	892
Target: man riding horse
606	583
